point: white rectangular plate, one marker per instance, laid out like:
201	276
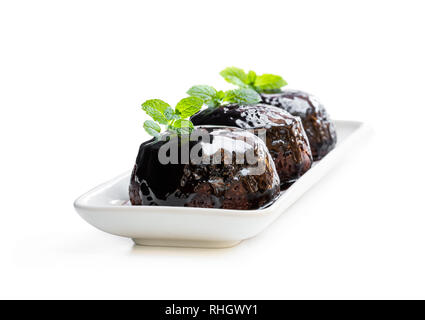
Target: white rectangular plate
106	208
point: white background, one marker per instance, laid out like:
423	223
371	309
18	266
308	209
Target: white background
73	75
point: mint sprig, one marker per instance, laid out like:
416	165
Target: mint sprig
260	83
158	110
175	119
188	106
182	126
208	94
241	96
235	76
152	128
213	98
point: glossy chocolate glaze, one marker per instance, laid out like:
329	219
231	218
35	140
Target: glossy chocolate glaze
317	124
285	137
227	185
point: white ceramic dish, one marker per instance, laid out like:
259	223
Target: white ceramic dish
106	208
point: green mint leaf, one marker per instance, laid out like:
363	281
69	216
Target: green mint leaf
207	93
152	128
235	76
158	110
182	126
188	106
242	96
260	83
202	91
269	82
220	95
251	77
